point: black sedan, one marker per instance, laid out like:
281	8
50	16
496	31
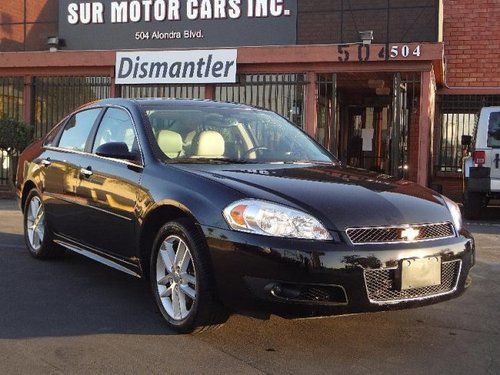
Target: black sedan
228	207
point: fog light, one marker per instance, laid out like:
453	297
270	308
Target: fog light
276	290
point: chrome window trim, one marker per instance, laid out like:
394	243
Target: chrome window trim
134	125
65	150
397	301
403	226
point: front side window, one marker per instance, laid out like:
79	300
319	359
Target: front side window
116	126
232	134
494	130
77	130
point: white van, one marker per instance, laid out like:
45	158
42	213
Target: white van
482	167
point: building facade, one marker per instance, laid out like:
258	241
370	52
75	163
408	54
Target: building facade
387	85
471	34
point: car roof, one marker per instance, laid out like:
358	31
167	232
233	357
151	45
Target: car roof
491	109
150	102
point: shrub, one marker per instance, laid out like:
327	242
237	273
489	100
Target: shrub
15	136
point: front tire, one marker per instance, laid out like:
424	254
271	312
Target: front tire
182	281
37	235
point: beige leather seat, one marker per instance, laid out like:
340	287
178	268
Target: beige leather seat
170	143
210	145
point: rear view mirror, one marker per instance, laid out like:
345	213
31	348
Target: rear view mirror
115	150
466	140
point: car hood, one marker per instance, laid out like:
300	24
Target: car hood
341	197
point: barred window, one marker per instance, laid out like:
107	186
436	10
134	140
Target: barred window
282	93
457	115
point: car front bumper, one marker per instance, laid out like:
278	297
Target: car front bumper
300	278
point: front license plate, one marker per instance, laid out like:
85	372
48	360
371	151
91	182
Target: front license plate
419	273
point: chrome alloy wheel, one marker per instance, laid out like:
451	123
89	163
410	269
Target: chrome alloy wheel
35	223
176	278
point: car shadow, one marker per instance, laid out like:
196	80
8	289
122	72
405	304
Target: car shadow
69	296
10	240
488	223
75	296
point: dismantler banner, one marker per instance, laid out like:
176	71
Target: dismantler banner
176	67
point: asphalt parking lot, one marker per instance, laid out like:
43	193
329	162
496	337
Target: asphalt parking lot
76	316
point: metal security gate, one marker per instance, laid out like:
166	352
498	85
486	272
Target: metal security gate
281	93
457	115
404	101
328	112
11	97
55	97
11	107
163	91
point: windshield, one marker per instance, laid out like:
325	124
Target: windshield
494	130
230	134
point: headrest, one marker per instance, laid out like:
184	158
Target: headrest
210	145
170	143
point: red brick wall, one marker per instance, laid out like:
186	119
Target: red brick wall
451	185
471	32
26	24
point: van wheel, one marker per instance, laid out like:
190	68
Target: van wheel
182	281
37	235
473	203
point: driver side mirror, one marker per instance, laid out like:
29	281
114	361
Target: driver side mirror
116	150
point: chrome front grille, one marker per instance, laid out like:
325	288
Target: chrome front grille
378	235
381	284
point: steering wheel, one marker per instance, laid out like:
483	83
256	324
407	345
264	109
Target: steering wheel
249	151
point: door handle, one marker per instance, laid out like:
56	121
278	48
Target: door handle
86	172
46	162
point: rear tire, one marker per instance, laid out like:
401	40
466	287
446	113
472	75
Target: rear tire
473	203
37	235
182	281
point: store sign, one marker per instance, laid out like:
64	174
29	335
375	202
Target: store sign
176	67
139	24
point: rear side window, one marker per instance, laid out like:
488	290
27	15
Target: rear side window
77	130
51	137
116	126
494	130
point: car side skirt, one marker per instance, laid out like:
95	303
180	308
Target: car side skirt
100	257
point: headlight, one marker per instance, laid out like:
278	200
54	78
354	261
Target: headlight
270	219
455	213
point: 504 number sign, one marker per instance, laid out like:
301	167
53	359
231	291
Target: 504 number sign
405	51
363	53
